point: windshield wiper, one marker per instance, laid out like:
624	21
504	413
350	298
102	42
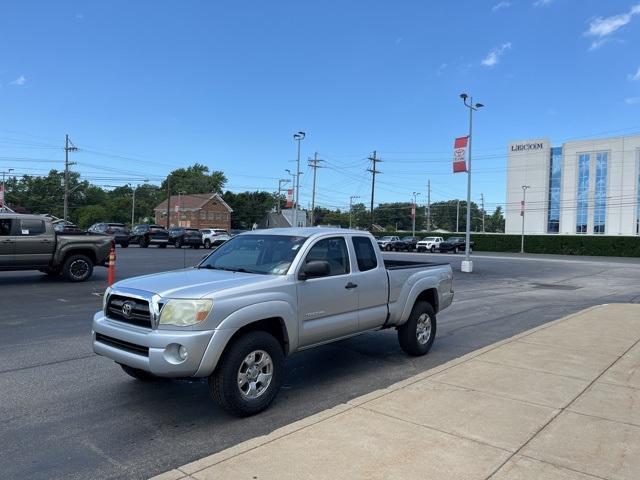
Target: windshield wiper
226	269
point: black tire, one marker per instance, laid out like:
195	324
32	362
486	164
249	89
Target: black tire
178	243
408	332
77	268
124	244
143	242
162	245
207	244
138	374
223	383
433	249
455	250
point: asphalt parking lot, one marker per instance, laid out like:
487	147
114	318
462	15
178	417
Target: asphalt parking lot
67	413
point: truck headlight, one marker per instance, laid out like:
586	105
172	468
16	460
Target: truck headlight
104	299
183	313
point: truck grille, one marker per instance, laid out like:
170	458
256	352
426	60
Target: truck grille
122	345
139	315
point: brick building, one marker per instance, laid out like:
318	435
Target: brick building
201	210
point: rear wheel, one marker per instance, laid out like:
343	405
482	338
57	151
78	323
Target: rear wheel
417	334
138	374
77	268
249	375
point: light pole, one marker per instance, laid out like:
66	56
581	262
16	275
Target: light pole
524	195
298	137
282	181
4	192
351	199
413	213
467	264
133	202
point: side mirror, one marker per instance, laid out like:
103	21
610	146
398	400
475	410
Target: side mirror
314	269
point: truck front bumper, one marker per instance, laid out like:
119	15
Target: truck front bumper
158	351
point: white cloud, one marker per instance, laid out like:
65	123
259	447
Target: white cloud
21	80
634	77
601	28
500	5
493	57
632	101
542	3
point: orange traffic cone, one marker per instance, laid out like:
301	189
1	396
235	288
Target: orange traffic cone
112	266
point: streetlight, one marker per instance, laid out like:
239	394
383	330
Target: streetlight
133	202
413	212
2	198
298	137
524	194
351	199
467	264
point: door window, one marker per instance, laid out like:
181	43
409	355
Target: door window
31	227
5	227
365	254
331	250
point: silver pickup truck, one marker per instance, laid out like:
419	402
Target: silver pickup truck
260	297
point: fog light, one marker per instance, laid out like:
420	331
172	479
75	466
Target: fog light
182	352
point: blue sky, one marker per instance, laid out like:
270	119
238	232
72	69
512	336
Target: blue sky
146	86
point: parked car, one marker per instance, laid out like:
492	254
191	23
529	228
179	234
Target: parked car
260	297
29	242
429	244
188	237
404	244
214	237
145	235
386	243
118	232
455	245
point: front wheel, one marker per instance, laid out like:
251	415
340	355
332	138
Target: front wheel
249	375
417	334
77	268
432	249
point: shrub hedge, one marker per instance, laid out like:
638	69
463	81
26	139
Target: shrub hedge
596	245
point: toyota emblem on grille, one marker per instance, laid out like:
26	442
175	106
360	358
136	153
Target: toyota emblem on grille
127	308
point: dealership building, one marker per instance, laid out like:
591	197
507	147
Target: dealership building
584	187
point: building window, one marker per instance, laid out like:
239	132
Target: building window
582	199
600	210
555	178
203	215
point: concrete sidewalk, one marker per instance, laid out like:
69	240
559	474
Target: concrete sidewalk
559	402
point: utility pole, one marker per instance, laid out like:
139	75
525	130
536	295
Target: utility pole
524	194
297	137
68	147
351	199
413	213
168	201
458	217
482	200
4	191
428	205
281	182
374	171
314	164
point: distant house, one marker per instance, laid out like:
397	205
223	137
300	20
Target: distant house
200	210
283	219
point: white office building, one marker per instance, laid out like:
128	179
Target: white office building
586	187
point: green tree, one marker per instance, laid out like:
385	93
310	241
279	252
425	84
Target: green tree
443	216
195	179
495	222
248	207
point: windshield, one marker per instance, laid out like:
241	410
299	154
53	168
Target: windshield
429	239
263	254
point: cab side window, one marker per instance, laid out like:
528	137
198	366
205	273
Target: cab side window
5	227
365	254
331	250
31	227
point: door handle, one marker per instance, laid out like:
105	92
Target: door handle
350	285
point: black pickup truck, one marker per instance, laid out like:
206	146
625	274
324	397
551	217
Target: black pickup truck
29	242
